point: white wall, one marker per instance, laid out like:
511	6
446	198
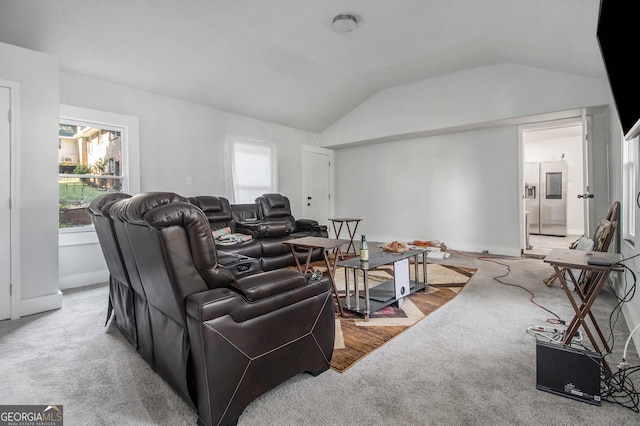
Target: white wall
464	100
180	139
459	188
475	111
177	140
37	194
631	309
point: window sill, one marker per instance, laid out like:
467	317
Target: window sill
76	229
77	236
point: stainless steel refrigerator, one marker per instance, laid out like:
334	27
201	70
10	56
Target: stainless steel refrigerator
545	194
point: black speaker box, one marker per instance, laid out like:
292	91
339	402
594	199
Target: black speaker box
569	372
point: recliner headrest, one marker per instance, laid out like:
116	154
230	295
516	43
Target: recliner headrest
276	201
100	205
211	204
165	210
134	209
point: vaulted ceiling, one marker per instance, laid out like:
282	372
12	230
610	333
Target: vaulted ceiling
280	60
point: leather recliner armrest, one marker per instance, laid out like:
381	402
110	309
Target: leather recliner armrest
278	229
284	288
263	229
254	228
306	224
260	286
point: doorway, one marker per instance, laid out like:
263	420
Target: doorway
554	171
317	183
9	240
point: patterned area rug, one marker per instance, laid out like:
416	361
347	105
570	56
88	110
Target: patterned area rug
356	338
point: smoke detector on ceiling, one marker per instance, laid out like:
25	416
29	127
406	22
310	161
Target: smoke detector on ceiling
344	22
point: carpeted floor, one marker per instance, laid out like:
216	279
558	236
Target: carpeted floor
471	362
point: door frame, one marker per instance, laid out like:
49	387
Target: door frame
586	173
14	217
586	145
305	177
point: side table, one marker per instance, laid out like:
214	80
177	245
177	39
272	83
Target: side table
566	260
352	232
325	244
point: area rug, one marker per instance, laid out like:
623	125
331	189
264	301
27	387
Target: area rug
356	338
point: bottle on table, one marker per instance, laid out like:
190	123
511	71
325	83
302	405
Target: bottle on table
364	249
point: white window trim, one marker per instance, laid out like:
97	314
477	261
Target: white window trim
629	198
130	156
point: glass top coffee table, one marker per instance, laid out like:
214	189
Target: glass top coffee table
388	292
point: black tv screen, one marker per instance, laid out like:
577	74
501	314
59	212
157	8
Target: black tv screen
618	36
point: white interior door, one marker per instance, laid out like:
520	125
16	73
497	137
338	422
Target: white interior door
317	183
5	211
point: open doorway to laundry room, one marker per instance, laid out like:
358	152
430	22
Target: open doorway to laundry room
554	173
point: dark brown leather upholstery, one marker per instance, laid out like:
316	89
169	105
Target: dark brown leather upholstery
244	212
219	341
269	226
143	316
217	210
121	300
276	207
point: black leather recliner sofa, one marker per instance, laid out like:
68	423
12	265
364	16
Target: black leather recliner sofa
276	207
219	341
269	222
121	299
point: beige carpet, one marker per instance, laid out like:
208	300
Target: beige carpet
355	338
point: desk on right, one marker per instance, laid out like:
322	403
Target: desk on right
565	261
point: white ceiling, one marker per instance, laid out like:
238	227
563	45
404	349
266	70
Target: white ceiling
280	61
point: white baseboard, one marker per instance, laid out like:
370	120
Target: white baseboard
81	280
39	304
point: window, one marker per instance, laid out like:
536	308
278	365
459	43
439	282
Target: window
251	169
88	159
630	180
117	136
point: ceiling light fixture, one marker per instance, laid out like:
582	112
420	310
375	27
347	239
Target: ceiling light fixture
344	22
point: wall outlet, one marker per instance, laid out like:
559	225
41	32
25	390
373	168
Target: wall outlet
189	180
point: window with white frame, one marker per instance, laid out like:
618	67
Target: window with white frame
90	163
98	151
630	188
251	169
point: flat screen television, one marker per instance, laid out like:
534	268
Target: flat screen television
618	35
